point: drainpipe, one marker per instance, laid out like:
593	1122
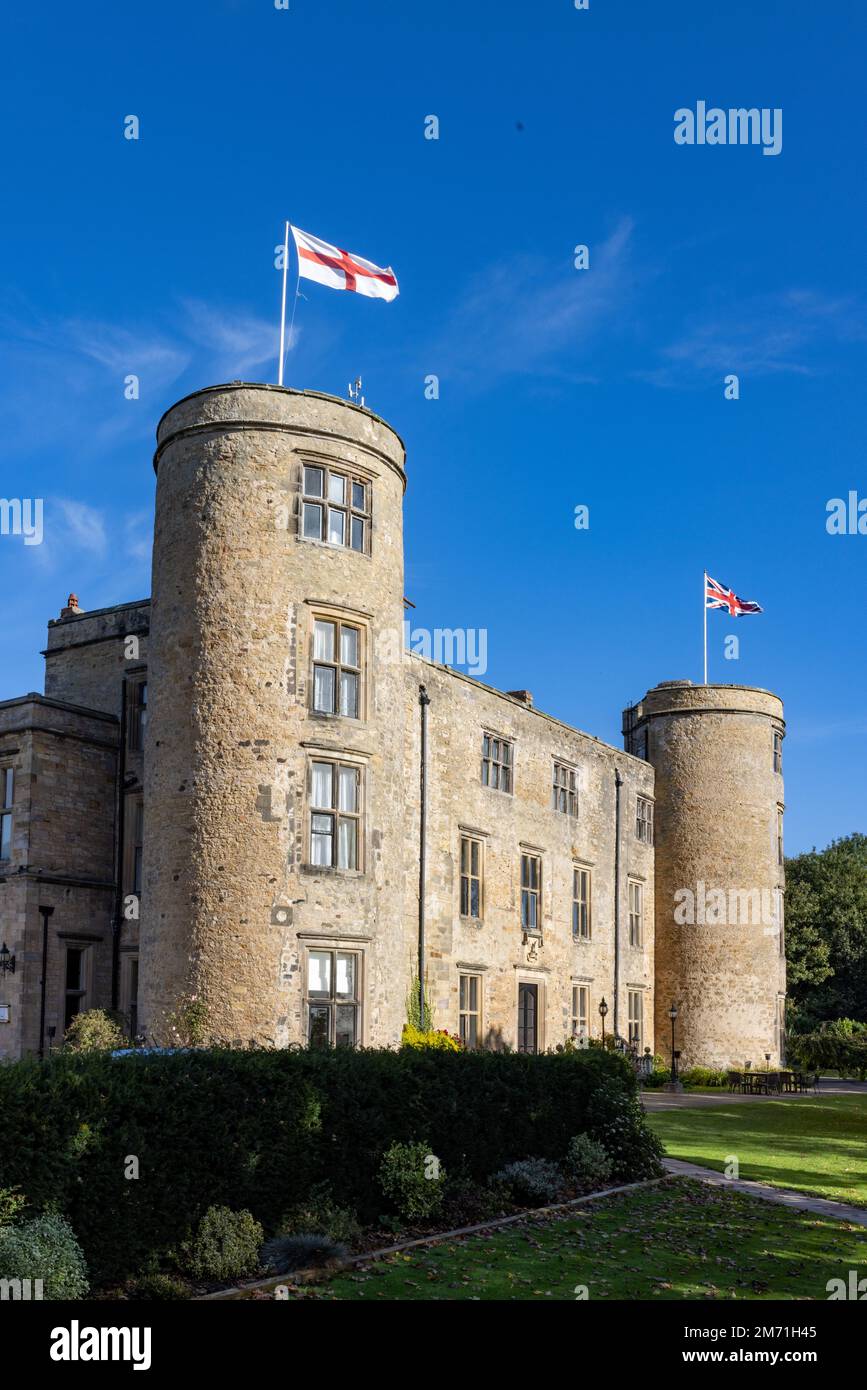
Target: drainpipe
424	701
618	783
46	912
119	821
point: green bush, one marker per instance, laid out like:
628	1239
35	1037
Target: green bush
839	1045
652	1080
320	1215
532	1182
587	1164
263	1129
12	1203
94	1031
226	1245
286	1253
158	1288
704	1076
44	1248
412	1177
433	1037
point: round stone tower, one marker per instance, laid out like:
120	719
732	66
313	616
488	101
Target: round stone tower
717	754
274	761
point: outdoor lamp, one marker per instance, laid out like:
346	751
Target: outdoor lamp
7	961
603	1010
672	1013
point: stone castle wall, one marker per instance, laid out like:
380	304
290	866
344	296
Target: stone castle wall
718	798
460	712
231	900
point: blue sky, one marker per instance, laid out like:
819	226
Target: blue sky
557	387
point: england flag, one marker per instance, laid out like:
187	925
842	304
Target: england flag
328	265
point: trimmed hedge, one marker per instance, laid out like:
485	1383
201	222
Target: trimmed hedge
259	1129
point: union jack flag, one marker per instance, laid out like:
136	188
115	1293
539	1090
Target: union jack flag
716	595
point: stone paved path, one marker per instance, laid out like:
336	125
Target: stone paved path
820	1206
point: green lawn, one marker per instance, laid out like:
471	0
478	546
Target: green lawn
814	1144
674	1241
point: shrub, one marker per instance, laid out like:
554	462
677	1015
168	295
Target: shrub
704	1076
44	1248
12	1203
433	1037
839	1045
652	1080
264	1129
226	1245
158	1288
530	1181
587	1164
320	1215
617	1121
468	1203
93	1031
303	1251
413	1178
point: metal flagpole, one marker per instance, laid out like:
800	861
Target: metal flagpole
283	308
704	608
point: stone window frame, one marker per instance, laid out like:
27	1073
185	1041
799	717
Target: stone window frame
7	809
586	902
635	917
780	905
129	975
580	987
566	787
644	827
471	838
82	994
337	758
466	1011
780	845
334	946
136	712
134	848
530	855
493	746
353	476
340	618
635	996
778	737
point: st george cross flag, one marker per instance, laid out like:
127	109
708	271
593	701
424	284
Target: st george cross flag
718	596
317	260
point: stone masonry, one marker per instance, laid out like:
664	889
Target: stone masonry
236	810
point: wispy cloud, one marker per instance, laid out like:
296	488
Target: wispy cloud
237	342
766	335
72	373
518	318
81	526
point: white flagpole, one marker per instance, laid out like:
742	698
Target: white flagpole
704	609
283	308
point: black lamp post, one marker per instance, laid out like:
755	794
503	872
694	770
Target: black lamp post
603	1010
7	960
672	1013
673	1084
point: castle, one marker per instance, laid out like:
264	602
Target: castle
248	791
